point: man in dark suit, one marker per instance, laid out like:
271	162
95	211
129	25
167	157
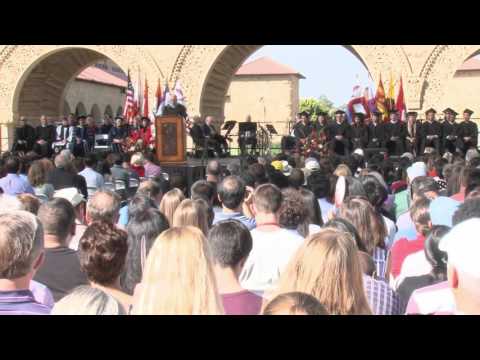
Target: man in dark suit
45	135
468	132
24	136
80	137
359	132
450	131
395	134
63	175
204	134
174	108
431	132
340	131
376	131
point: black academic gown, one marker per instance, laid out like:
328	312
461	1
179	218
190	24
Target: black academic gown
395	134
175	110
48	134
468	129
27	134
450	136
117	133
413	137
359	136
431	129
342	146
376	135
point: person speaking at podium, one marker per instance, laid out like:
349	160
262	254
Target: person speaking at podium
174	108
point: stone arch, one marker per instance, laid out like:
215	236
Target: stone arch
80	109
34	77
439	69
206	71
108	111
119	111
66	108
95	112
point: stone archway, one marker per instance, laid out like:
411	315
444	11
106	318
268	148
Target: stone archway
95	113
66	108
119	111
206	71
108	111
80	110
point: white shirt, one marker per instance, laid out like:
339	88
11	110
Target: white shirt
415	264
92	178
271	252
313	229
325	208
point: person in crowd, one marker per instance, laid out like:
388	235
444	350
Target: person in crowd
370	227
403	247
468	132
359	132
103	206
205	190
117	135
258	173
314	213
315	269
342	170
230	242
431	132
93	178
22	254
294	303
63	176
382	299
87	300
457	180
44	137
136	163
145	133
232	193
24	136
170	202
152	169
340	132
376	131
29	203
413	136
78	202
214	171
296	179
395	134
402	198
293	215
438	263
13	183
192	213
463	271
179	253
102	253
118	171
468	210
143	228
263	266
37	177
91	131
60	271
319	183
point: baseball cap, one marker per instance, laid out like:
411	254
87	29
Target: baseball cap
278	165
70	194
359	152
407	155
417	169
442	209
462	246
286	168
312	164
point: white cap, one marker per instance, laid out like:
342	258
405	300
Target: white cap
312	164
359	152
287	169
70	194
462	245
417	169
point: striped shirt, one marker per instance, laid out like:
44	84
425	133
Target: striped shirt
379	257
382	299
21	302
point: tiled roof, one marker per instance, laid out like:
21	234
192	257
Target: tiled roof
267	66
94	74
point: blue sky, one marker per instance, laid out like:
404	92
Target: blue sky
330	70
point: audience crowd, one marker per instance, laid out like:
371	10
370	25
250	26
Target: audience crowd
110	234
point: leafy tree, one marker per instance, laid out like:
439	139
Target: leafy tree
315	106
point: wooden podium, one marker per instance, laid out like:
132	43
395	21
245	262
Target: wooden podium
170	139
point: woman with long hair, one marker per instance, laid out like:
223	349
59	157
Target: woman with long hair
327	266
178	277
371	228
37	177
315	220
170	202
194	213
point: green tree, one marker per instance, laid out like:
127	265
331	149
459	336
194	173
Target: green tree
315	106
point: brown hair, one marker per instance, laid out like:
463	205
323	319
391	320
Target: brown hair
294	303
367	221
170	202
29	203
191	212
327	266
102	252
37	174
419	212
293	213
267	198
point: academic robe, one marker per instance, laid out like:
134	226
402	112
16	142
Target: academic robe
395	134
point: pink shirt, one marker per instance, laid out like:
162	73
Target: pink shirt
434	299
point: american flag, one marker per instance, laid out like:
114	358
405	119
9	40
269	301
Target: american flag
128	107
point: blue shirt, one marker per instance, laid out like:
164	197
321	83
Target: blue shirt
13	184
123	220
93	178
220	216
21	302
325	208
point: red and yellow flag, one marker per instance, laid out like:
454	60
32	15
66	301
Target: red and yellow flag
380	97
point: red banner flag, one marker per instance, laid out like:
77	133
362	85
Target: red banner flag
145	100
380	97
158	96
401	107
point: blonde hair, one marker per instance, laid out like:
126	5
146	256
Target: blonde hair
86	300
178	278
192	213
137	159
327	266
170	202
342	170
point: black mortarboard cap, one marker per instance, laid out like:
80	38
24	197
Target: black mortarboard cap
377	113
412	113
339	112
449	110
